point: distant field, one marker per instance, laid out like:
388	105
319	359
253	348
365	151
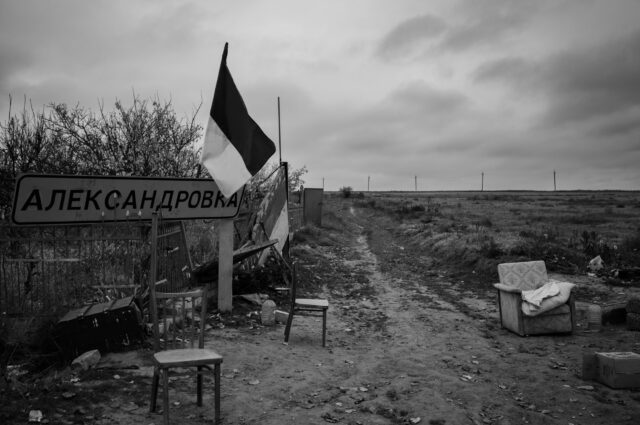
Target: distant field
479	229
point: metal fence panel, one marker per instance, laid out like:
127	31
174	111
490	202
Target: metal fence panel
45	270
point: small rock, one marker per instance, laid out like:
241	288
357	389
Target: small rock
415	420
254	382
35	416
68	394
329	418
129	407
586	387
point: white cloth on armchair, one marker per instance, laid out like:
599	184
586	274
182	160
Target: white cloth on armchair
562	292
535	296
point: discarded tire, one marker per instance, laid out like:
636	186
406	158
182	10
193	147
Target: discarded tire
633	321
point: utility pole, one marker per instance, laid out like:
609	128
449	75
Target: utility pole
415	178
323	183
482	182
554	180
368	181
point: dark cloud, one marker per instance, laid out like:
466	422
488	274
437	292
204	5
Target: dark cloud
485	22
578	85
422	98
478	32
600	80
407	36
512	69
620	125
477	23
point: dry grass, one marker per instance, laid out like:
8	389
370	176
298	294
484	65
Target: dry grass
477	230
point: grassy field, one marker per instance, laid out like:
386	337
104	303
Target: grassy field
474	231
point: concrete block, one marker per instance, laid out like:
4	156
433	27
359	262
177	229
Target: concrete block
281	316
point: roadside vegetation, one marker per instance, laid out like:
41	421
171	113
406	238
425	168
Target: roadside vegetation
473	232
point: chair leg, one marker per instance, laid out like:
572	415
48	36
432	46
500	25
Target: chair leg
572	311
216	395
324	327
199	385
287	328
165	395
500	307
154	389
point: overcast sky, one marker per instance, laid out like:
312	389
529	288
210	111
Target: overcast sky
444	90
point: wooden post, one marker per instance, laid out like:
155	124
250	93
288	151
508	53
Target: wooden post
152	280
225	264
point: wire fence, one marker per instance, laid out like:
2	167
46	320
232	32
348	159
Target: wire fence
45	270
296	219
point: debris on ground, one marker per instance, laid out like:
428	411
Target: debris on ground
86	360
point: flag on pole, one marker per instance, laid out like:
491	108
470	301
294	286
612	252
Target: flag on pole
235	148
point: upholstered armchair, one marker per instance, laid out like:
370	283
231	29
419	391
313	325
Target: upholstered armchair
552	306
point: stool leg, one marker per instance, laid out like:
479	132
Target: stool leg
154	389
324	327
217	392
165	395
287	328
199	385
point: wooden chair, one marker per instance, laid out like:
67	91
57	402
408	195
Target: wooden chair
305	307
179	343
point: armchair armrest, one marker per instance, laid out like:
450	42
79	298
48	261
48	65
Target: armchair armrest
507	288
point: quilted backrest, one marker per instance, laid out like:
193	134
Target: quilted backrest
525	275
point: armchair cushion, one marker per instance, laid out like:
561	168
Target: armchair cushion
550	303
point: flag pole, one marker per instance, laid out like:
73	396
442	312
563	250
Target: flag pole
285	164
279	136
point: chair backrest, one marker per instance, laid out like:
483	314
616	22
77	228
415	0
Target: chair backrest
179	318
525	275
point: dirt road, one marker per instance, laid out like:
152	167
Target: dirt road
406	344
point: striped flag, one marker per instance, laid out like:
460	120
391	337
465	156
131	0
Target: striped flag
235	148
